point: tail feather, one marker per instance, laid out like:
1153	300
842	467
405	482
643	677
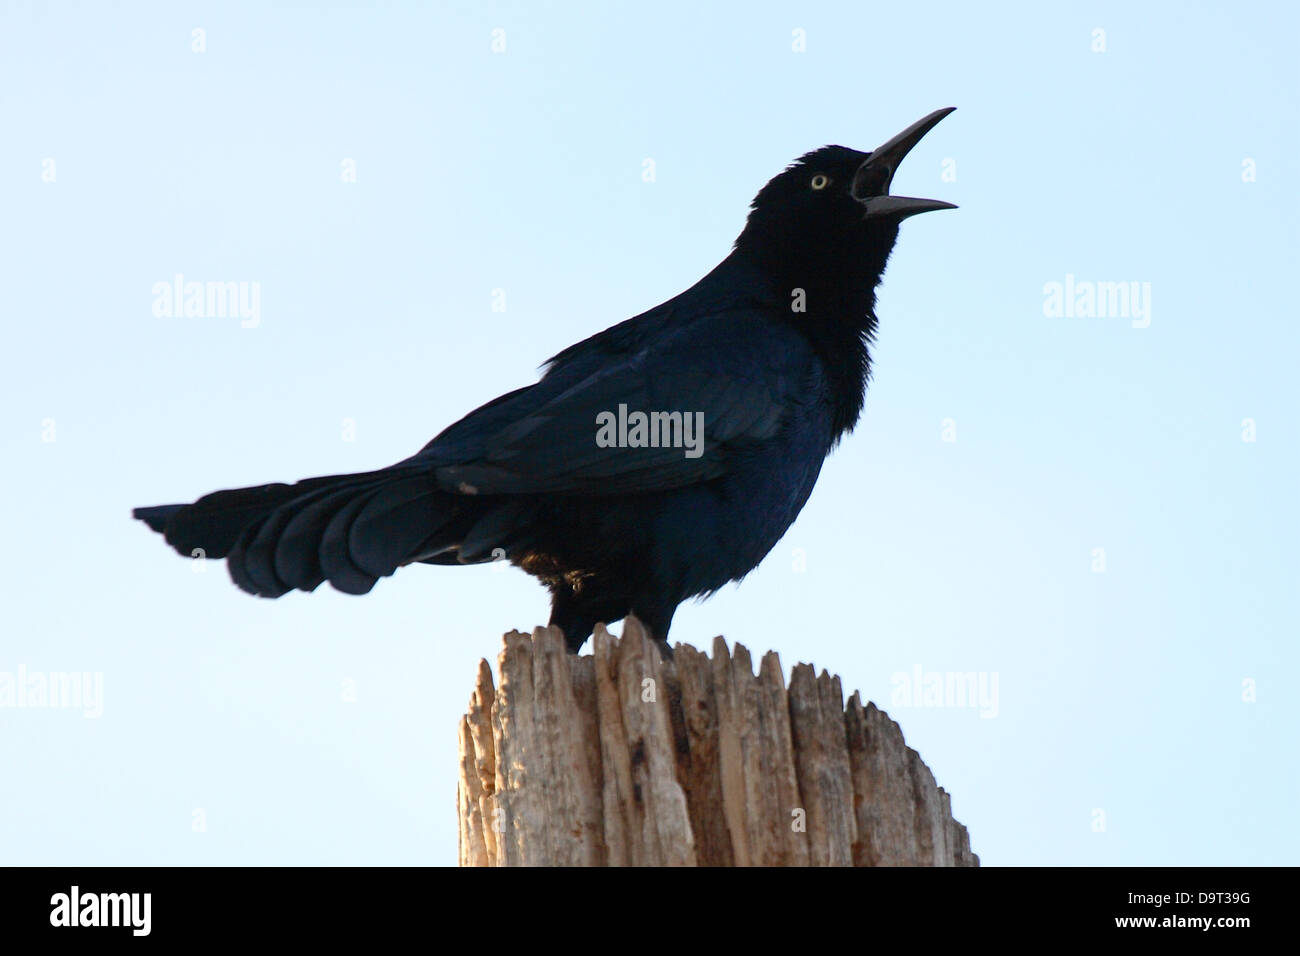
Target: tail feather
257	557
396	522
297	553
494	533
253	556
348	529
157	516
237	564
335	558
214	523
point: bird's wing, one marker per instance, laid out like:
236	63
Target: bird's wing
738	373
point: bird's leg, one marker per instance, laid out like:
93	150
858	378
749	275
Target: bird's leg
576	614
576	627
657	618
568	616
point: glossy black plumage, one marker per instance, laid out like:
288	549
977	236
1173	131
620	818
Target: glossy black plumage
771	348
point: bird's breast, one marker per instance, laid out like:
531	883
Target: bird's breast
737	520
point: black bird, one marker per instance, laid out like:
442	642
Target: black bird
746	381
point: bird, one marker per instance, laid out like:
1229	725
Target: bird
651	463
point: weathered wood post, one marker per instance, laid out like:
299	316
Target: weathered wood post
624	758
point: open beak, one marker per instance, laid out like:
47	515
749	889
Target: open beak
871	182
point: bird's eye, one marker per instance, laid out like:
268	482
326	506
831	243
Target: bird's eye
820	181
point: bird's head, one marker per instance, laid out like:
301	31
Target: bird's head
828	220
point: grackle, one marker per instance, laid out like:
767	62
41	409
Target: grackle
653	462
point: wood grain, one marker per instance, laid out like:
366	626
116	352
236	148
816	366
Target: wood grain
627	758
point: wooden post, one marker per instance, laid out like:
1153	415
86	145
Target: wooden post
622	758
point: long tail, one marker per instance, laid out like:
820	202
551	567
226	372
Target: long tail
350	530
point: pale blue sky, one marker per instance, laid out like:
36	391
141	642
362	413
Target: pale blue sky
1119	691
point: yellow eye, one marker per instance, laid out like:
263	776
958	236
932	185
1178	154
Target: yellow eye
820	181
